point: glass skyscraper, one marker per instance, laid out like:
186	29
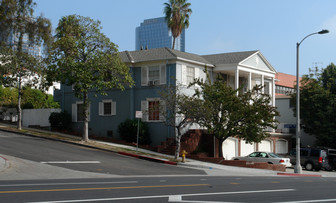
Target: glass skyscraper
13	40
154	33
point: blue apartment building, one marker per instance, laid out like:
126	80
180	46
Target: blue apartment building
153	69
154	33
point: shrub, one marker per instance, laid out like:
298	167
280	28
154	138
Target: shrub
61	120
128	132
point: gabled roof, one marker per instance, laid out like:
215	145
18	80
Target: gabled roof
213	60
160	54
229	58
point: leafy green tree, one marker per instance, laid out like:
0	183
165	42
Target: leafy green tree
179	111
226	112
50	103
31	98
177	13
86	59
8	96
36	99
18	66
318	105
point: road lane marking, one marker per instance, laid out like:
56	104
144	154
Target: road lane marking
165	196
70	162
104	188
50	184
311	201
178	198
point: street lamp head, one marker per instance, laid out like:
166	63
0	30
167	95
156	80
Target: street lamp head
323	32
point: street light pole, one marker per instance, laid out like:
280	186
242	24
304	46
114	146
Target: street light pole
298	168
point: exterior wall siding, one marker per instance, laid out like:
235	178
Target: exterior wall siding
127	102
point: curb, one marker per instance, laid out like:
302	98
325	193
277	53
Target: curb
148	158
299	175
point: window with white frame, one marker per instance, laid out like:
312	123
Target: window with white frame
78	112
107	108
152	109
153	75
190	74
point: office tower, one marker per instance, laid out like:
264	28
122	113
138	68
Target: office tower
154	33
12	40
27	47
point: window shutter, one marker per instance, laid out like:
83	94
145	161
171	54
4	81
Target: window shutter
101	108
162	109
144	109
114	108
163	74
184	75
74	112
144	76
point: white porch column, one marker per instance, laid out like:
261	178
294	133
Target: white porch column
249	81
273	91
263	83
237	80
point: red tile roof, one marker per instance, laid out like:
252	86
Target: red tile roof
286	80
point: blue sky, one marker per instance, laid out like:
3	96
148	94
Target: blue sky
220	26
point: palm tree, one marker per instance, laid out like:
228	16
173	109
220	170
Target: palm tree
177	16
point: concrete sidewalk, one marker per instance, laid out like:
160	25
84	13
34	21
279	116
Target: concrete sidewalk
210	168
3	163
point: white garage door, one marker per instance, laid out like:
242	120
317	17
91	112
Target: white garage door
281	147
229	148
246	149
265	146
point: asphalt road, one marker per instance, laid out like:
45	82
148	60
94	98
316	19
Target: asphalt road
53	153
126	179
172	189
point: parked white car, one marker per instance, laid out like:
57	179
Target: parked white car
267	157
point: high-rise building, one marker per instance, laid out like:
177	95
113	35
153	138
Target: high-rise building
11	38
27	47
154	33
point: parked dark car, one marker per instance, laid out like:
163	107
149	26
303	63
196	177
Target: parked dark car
331	159
311	158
